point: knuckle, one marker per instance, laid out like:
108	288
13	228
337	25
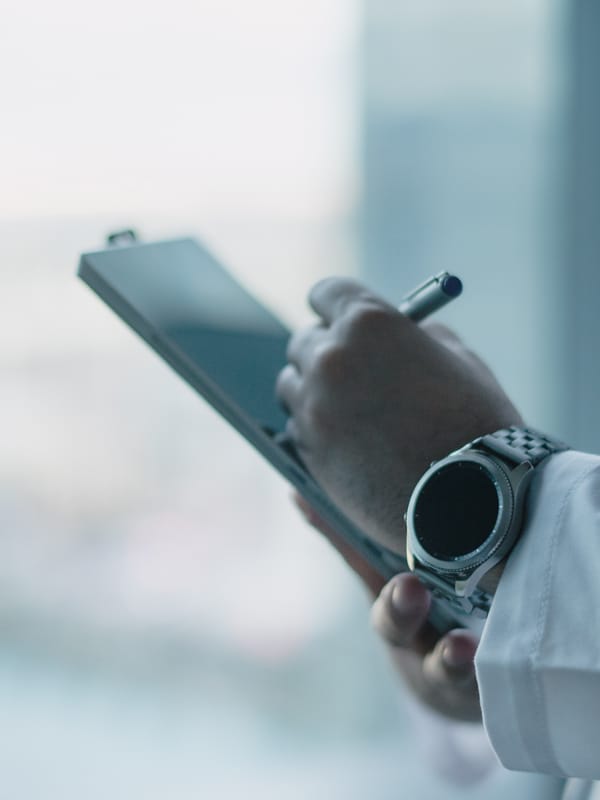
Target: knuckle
283	378
291	429
292	345
299	342
284	384
322	286
331	362
367	318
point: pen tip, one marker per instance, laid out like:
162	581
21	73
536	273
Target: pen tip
452	286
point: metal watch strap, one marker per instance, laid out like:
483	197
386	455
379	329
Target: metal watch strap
478	603
517	445
522	444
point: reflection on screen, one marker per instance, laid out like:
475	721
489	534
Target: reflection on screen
244	363
186	297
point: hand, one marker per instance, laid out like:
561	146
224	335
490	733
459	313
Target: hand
374	398
438	670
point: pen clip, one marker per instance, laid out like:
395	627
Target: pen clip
418	289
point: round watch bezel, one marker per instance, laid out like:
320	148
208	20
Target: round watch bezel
470	561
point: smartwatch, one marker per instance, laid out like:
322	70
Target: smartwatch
465	514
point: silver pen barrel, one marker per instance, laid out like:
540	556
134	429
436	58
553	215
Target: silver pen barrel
430	296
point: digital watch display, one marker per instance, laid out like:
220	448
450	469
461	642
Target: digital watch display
457	510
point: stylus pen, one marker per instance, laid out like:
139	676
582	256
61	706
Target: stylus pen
430	296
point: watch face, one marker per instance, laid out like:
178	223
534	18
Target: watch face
456	510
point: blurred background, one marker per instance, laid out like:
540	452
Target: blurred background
169	627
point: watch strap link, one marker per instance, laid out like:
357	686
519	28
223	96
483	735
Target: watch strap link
522	444
477	603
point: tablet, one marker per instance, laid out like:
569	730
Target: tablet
227	346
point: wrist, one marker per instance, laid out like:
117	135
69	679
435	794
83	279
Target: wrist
466	513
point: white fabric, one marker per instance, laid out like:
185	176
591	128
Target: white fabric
538	664
459	752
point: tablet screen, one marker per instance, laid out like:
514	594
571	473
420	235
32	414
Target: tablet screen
190	302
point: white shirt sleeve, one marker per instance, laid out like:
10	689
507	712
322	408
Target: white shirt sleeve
538	664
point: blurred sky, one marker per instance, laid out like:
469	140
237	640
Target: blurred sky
177	106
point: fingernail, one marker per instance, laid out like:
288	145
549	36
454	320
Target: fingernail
459	652
407	596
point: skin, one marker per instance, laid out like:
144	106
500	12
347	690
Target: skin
438	670
373	399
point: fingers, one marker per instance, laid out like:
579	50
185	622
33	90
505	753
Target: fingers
331	298
439	670
451	662
449	680
288	388
399	615
302	345
322	349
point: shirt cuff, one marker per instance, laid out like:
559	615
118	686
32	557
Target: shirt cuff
538	663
